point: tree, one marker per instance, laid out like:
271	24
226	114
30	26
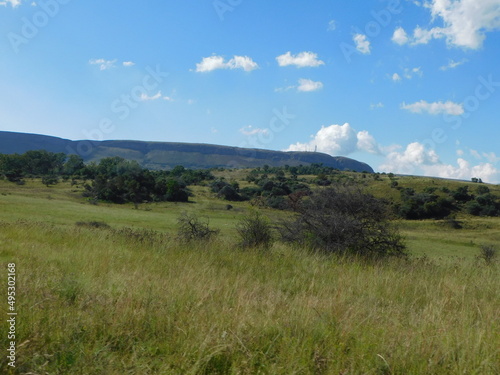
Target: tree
344	220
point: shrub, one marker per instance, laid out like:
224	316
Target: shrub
191	228
255	231
488	253
344	220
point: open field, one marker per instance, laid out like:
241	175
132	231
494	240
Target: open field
125	301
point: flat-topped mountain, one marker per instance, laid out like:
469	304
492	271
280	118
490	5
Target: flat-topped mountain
166	155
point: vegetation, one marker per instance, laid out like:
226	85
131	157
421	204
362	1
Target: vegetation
344	220
255	231
97	301
147	287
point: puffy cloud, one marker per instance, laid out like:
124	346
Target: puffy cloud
418	160
362	45
338	140
301	60
211	63
415	155
435	108
13	3
465	23
307	85
400	37
250	130
396	77
464	171
103	64
128	64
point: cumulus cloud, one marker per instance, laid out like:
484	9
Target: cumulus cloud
13	3
338	140
464	23
464	170
435	108
301	60
307	85
400	37
211	63
250	130
128	64
362	44
418	160
103	64
415	155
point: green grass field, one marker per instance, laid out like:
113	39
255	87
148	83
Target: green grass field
121	301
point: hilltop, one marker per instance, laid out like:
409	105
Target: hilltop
166	155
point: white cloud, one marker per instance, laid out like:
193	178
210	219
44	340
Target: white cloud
464	22
453	64
362	45
250	130
13	3
476	154
283	89
242	62
103	64
415	155
435	108
332	25
338	140
211	63
463	170
400	37
157	96
301	60
410	73
418	160
128	63
396	77
376	106
407	73
307	85
491	157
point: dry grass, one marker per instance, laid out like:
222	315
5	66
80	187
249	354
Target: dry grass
99	301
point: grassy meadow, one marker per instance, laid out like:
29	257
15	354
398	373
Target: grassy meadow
125	300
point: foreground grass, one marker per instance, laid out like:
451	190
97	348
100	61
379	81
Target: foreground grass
100	301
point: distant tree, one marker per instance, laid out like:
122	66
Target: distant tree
73	165
50	180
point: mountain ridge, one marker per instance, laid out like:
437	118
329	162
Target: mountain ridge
166	155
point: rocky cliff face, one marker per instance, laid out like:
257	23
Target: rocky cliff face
165	155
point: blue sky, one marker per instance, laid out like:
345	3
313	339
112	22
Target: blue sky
406	86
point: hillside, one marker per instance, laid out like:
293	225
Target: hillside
166	155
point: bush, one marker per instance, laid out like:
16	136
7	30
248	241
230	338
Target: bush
191	228
255	231
488	253
344	220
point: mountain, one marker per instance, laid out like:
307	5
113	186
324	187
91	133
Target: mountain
166	155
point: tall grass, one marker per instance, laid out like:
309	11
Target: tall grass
101	301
